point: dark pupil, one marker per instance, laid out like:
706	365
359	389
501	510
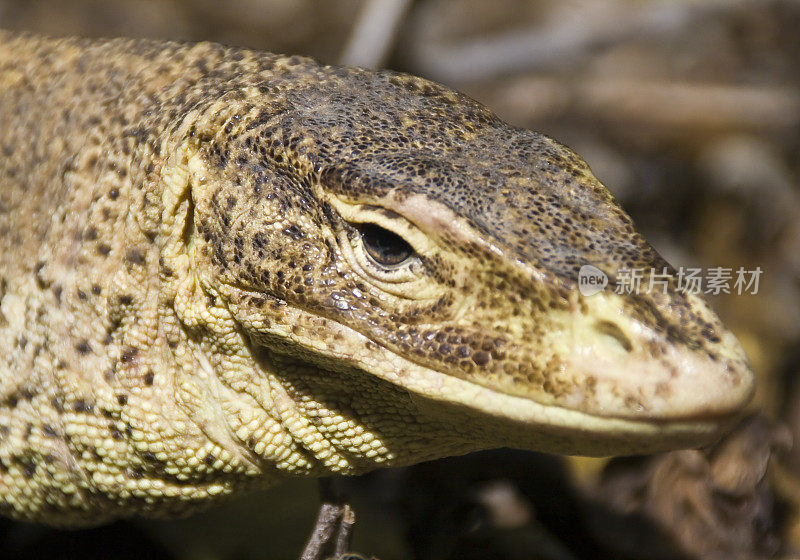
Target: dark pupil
385	247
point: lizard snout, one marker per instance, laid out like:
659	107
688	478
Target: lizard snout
626	368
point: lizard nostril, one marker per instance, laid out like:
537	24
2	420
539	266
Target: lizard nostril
612	330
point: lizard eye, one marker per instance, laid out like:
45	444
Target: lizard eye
384	247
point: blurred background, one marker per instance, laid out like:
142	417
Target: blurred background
689	112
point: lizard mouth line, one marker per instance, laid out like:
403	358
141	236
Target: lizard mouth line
524	423
520	419
381	360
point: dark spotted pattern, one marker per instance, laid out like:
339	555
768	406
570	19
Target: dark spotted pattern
187	307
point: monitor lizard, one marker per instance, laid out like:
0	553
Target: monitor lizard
221	267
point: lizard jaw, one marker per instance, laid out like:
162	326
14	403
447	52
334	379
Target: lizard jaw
487	417
490	416
515	421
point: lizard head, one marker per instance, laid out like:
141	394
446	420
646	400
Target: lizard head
380	223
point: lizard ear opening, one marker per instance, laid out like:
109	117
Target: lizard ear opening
190	228
385	248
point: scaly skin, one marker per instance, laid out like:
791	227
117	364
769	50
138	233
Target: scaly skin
191	304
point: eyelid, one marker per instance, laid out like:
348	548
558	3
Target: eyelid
354	213
384	279
410	281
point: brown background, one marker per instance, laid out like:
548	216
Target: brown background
689	111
